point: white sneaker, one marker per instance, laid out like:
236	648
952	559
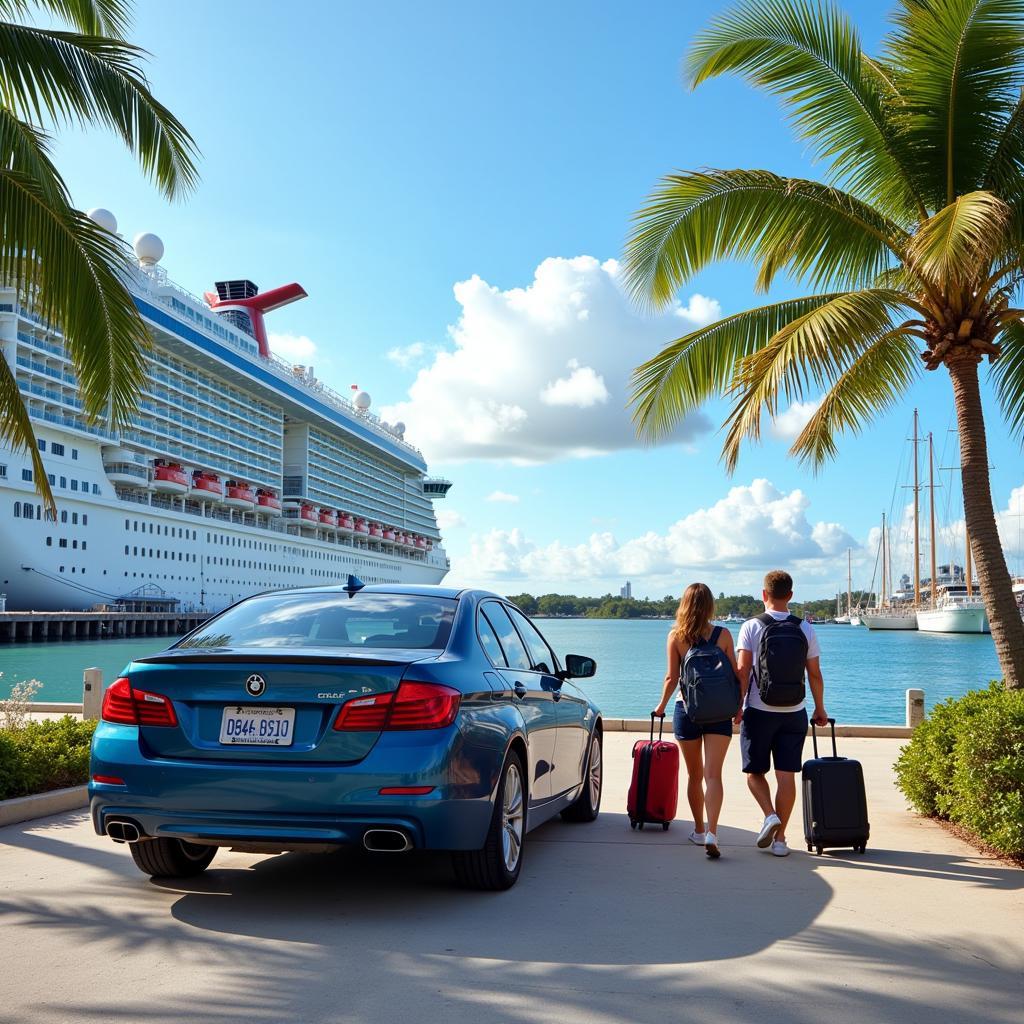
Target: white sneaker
697	838
766	836
780	849
711	845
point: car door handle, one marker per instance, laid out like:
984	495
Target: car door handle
520	689
556	694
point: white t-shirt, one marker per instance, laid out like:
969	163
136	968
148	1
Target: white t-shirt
750	632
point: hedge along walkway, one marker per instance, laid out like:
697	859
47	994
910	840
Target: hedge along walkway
605	926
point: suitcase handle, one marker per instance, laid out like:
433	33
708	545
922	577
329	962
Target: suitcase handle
661	726
814	738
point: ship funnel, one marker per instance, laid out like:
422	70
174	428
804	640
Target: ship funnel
241	303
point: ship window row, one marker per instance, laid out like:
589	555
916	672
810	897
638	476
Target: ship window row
62	542
201	379
239	455
196	430
52	478
341	453
26	510
64	376
172	556
214	327
207	406
165	531
256	470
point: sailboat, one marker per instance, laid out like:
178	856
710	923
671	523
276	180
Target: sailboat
954	606
892	614
851	618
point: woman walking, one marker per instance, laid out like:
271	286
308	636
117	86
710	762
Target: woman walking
703	746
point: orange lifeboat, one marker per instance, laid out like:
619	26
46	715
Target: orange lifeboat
346	522
328	517
170	478
362	526
309	513
207	485
268	502
421	543
389	533
376	531
239	495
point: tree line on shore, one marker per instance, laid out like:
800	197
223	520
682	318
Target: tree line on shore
612	607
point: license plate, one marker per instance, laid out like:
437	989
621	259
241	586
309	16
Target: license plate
261	727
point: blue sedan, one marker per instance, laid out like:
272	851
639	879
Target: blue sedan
392	717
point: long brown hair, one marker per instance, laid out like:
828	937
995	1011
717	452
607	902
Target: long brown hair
695	611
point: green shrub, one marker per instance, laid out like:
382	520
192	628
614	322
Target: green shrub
41	756
965	763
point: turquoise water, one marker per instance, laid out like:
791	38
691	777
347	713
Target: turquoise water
866	673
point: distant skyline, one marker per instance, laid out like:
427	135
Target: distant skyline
452	185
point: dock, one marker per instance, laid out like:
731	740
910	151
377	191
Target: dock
39	627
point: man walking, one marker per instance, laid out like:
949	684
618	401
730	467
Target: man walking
776	651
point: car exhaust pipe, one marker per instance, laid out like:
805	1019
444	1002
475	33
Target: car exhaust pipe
124	831
386	840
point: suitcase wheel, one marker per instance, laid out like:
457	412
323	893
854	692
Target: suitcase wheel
641	826
632	823
818	850
664	826
862	848
810	849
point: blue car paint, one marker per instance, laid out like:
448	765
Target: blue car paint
327	791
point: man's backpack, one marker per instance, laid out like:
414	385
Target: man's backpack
781	661
710	687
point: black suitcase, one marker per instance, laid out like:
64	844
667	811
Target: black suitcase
835	804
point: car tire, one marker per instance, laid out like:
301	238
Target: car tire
171	858
587	805
496	865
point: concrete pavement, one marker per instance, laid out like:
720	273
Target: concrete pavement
605	926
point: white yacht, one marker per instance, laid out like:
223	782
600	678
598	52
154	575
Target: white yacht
955	611
238	473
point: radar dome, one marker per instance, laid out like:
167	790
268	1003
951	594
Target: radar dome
149	248
362	401
104	218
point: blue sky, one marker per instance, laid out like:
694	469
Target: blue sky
381	154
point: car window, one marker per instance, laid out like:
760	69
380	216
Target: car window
515	652
540	654
489	640
331	619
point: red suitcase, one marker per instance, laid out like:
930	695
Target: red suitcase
654	788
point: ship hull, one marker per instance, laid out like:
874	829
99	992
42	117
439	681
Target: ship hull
882	621
953	620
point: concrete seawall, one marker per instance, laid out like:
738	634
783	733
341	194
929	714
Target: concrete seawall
37	627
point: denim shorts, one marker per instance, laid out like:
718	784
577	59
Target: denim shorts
772	737
686	729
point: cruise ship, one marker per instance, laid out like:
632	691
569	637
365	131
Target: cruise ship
239	473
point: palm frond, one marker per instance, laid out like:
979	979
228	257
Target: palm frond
1007	374
110	18
815	232
16	430
810	353
958	242
1005	172
66	77
27	150
959	68
872	383
66	267
694	368
809	53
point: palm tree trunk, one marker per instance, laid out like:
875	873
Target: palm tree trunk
986	547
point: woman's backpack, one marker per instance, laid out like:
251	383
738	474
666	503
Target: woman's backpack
710	687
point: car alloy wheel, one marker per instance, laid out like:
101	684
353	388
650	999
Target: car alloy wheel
512	816
594	775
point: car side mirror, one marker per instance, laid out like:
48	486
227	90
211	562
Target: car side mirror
579	667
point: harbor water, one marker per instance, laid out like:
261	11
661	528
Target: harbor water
866	673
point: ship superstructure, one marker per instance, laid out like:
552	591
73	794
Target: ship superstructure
239	472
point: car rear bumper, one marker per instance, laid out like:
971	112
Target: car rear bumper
296	805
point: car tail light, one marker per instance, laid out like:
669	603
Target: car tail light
405	790
108	780
364	714
412	706
125	705
423	706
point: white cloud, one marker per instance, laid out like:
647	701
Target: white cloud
583	388
406	356
502	391
753	528
295	348
503	496
787	425
449	519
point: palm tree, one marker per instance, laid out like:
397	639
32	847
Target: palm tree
63	265
913	248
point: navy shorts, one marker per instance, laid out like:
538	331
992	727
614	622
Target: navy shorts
778	735
686	729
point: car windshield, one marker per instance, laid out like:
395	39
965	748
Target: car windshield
372	620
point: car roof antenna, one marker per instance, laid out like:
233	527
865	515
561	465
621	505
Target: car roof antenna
353	586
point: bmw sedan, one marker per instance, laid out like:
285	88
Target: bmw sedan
391	717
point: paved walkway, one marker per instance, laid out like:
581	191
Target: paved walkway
605	926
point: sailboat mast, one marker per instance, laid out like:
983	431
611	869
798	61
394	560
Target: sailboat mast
931	507
885	564
917	524
849	581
